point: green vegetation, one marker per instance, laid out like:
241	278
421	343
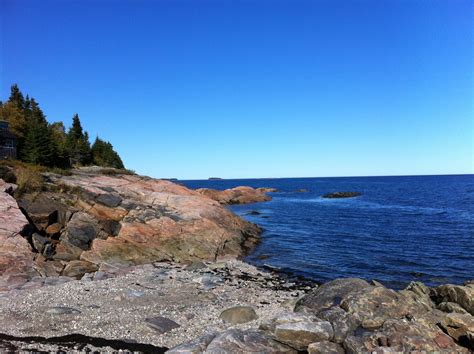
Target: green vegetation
48	144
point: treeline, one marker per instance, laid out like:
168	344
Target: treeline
48	144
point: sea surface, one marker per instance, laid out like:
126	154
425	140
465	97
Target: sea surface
402	229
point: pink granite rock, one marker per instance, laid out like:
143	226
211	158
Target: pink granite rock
16	257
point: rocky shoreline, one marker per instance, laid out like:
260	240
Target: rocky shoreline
233	307
107	262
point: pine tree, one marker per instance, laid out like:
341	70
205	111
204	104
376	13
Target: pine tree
59	141
16	97
103	154
38	146
78	143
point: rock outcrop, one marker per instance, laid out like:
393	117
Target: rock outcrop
87	221
16	257
237	195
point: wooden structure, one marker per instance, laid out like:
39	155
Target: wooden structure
8	142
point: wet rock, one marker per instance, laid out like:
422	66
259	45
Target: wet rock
62	310
330	294
238	314
250	341
161	324
76	269
325	348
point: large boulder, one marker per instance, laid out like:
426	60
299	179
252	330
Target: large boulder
376	304
329	294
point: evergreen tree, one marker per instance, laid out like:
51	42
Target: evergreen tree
78	145
38	145
103	154
59	141
16	97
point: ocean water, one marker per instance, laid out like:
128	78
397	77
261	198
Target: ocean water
402	229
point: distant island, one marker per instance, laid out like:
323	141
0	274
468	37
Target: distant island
214	178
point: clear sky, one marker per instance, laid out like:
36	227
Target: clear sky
254	88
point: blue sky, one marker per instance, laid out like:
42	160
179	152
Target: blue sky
193	89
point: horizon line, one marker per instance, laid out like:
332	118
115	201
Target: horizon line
367	176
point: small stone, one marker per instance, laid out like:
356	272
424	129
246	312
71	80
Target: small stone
135	293
238	314
196	265
54	229
161	324
62	310
39	242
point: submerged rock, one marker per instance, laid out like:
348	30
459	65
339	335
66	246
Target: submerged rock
342	195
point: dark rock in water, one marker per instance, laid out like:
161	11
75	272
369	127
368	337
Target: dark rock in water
161	324
330	294
302	190
253	212
342	195
238	314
